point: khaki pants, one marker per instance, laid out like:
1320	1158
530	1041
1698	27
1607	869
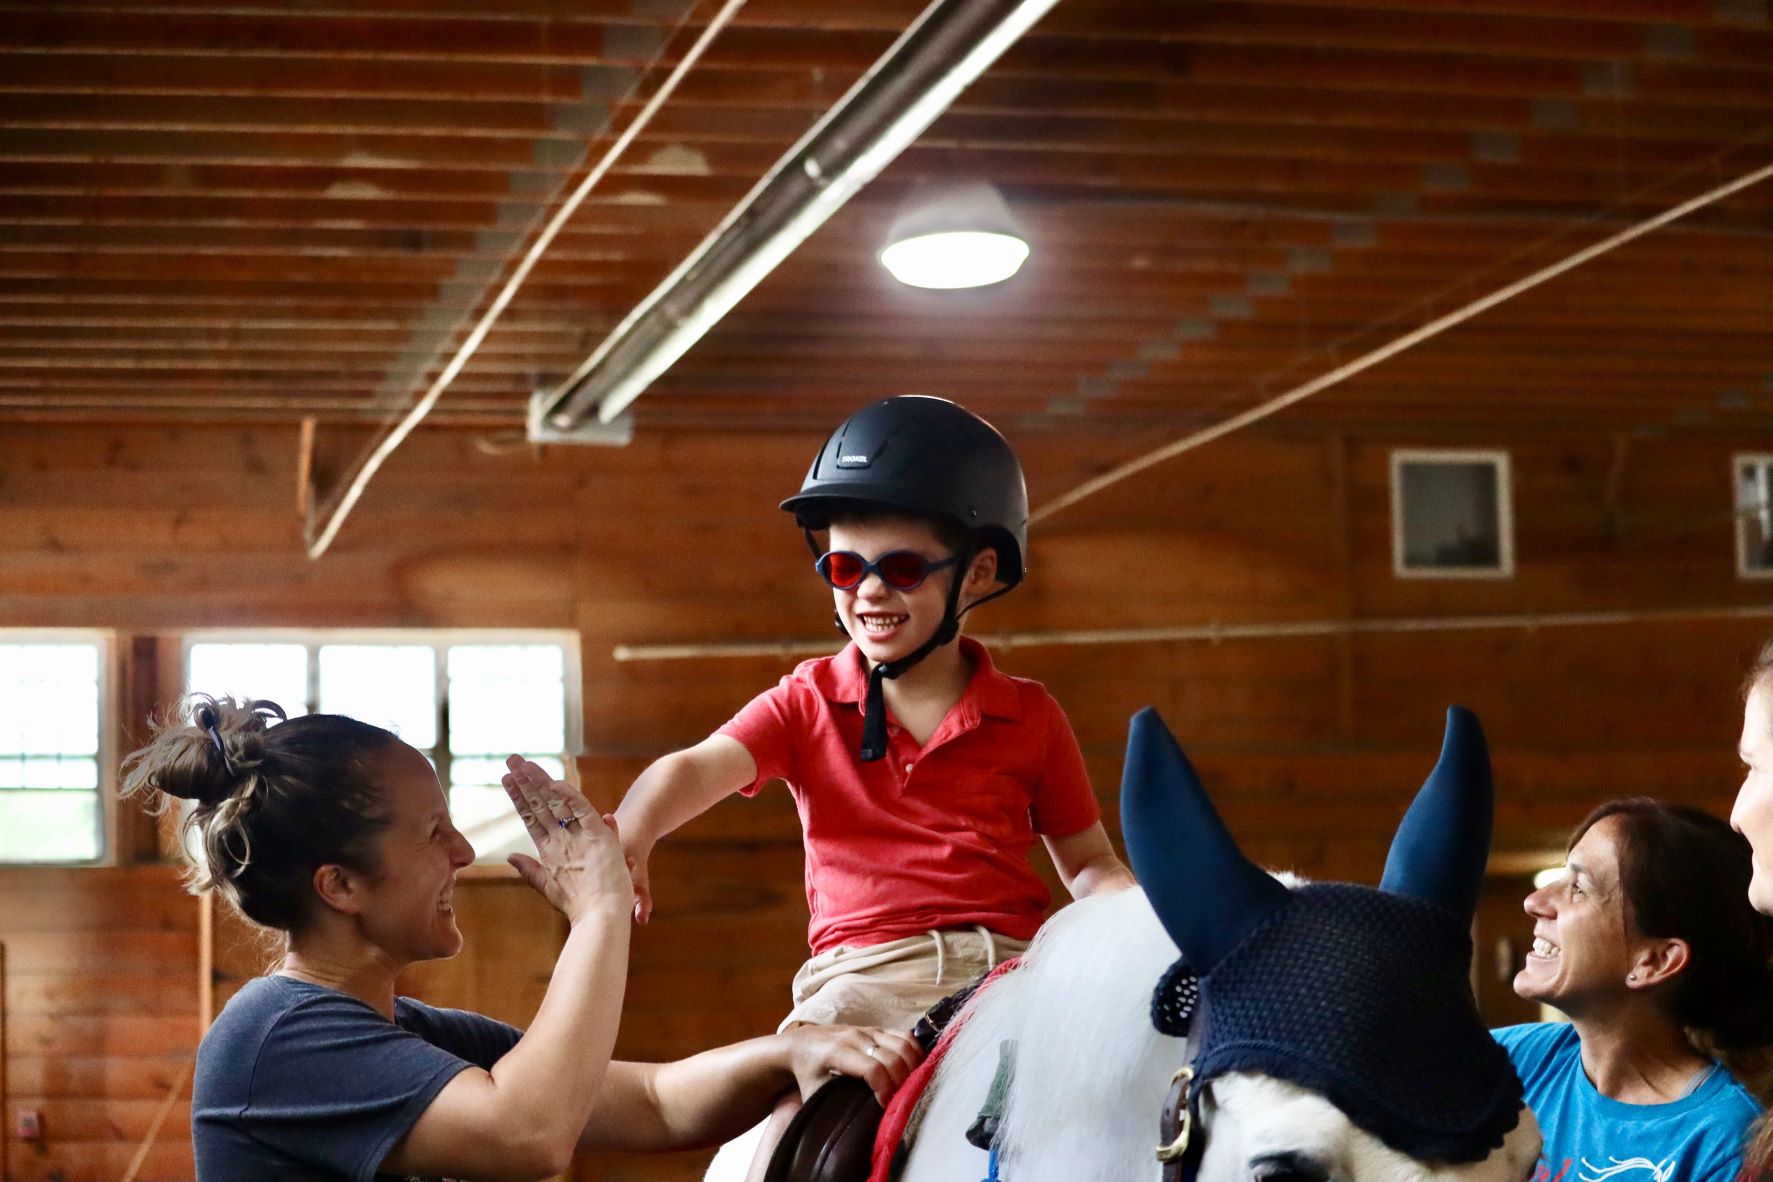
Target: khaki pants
893	984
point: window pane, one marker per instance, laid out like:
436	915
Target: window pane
506	697
267	672
48	771
482	811
488	771
1754	514
1450	515
49	826
393	686
49	699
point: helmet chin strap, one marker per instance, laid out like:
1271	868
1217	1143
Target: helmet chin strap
874	728
874	736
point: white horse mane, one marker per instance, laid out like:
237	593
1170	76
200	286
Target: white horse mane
1079	1012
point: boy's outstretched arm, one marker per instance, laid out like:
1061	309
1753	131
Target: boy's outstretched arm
671	791
1086	863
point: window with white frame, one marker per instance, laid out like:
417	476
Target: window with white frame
1753	477
1452	514
53	689
466	700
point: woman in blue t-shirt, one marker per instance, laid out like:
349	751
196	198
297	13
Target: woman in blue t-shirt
337	834
1648	944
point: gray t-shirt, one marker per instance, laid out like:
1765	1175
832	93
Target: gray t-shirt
295	1081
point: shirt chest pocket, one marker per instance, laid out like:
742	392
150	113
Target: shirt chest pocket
992	805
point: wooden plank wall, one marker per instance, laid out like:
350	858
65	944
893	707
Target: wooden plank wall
1312	745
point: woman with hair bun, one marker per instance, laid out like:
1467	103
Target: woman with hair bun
1648	944
337	834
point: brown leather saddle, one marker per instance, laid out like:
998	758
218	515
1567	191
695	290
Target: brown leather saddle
831	1138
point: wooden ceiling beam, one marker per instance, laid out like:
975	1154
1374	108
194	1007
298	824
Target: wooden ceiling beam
1300	62
1066	217
298	278
792	95
1406	404
995	146
270	37
1533	34
1323	187
1075	16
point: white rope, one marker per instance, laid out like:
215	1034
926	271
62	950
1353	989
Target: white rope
1385	352
386	446
1216	632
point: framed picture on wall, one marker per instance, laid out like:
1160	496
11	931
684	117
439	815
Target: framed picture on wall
1752	475
1452	514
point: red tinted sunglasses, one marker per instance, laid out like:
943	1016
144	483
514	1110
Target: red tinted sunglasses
902	570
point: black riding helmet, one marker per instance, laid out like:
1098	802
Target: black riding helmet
927	457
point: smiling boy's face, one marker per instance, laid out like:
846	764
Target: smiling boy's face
887	623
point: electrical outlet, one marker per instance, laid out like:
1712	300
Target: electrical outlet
28	1124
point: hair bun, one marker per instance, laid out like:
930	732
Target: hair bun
199	760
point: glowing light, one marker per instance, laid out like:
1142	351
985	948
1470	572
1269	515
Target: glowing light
951	236
955	259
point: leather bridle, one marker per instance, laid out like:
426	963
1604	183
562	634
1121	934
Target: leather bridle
1182	1140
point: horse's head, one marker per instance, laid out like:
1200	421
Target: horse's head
1337	1036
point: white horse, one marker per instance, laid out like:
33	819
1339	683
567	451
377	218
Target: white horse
1091	1070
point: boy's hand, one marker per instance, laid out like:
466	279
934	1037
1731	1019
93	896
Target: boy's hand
643	889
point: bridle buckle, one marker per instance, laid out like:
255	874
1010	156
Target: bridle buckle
1177	1149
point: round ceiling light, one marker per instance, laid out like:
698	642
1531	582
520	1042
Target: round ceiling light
954	236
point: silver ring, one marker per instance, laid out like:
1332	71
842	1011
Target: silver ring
873	1052
568	821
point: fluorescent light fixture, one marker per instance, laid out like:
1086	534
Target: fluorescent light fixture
943	51
954	236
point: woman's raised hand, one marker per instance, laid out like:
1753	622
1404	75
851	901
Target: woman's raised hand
579	865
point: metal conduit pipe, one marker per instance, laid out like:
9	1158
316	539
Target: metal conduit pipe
1215	631
949	45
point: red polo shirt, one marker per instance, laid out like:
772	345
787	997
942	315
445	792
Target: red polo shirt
930	837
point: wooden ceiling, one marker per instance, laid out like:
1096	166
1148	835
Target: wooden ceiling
215	210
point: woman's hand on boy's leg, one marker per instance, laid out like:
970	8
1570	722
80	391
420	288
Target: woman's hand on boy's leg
879	1057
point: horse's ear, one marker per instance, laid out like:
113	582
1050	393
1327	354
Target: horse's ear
1206	893
1442	845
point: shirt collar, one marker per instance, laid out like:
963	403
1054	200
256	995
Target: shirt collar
844	679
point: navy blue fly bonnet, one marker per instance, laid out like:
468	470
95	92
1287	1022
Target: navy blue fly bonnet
1360	995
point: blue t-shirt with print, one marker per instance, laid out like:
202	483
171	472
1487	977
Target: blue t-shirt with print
298	1082
1594	1138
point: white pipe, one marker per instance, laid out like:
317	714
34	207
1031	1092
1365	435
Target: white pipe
385	446
1387	351
1215	631
800	192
